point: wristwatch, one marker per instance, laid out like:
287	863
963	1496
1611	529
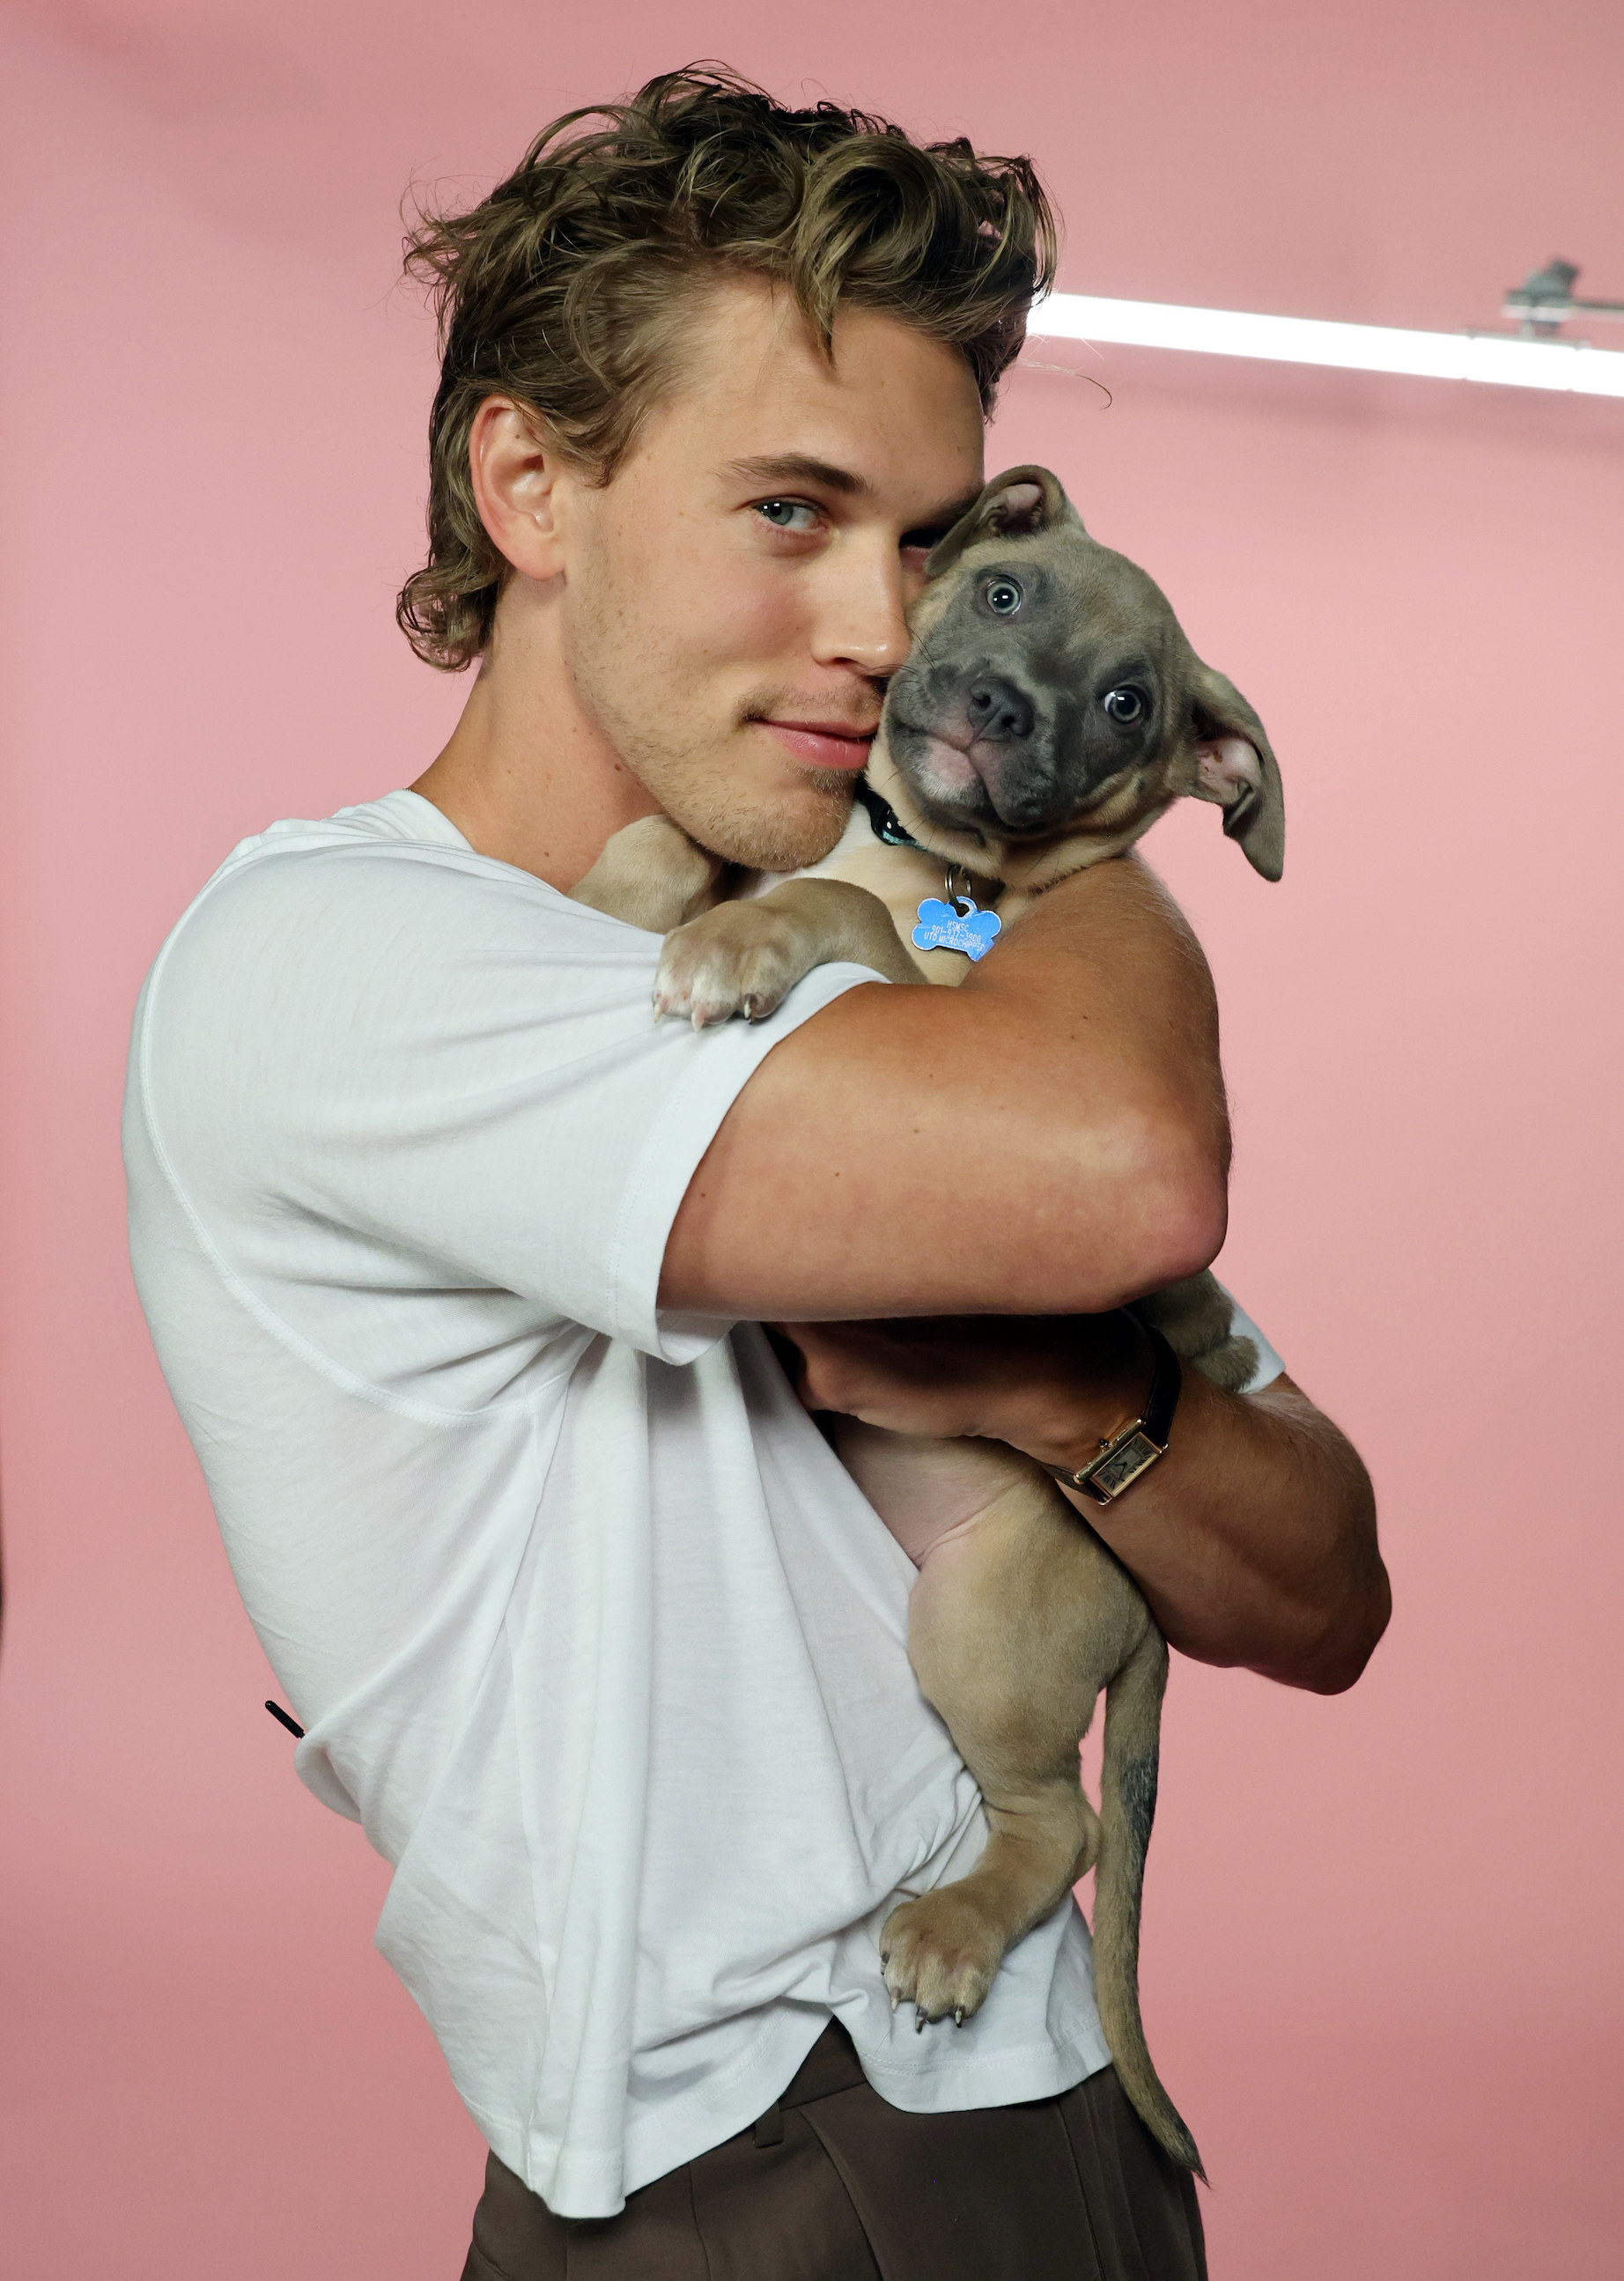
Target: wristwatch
1122	1456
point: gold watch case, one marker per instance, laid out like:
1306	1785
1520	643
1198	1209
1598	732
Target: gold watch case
1117	1468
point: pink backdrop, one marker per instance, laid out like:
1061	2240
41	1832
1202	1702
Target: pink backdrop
1381	1941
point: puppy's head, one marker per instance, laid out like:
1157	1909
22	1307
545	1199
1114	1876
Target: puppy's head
1051	707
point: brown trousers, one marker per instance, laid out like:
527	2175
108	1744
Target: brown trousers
833	2184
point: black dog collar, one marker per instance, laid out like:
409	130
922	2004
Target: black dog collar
888	824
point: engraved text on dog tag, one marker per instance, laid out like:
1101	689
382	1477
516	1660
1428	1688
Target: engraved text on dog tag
942	927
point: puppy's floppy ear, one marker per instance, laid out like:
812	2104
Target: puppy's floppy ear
1235	765
1017	505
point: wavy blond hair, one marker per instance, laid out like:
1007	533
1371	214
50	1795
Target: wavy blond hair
569	286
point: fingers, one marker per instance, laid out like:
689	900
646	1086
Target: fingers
823	1384
874	1379
791	1361
822	1367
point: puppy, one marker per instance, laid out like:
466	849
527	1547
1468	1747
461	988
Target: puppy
1049	710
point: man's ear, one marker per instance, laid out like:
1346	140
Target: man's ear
515	470
1235	765
1017	505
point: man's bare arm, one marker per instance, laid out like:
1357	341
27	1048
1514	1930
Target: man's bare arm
1049	1138
1254	1539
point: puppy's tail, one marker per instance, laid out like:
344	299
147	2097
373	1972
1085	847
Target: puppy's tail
1127	1808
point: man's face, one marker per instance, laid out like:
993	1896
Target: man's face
733	599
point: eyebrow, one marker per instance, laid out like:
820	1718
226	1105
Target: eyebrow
797	468
938	524
801	467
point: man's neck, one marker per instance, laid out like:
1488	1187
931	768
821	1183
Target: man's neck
526	776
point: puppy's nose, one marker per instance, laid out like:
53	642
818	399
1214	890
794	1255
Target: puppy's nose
998	710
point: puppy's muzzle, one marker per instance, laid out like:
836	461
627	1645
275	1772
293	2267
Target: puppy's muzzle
998	712
993	755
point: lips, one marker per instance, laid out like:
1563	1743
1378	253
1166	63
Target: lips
823	744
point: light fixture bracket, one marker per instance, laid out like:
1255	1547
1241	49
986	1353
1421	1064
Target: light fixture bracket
1544	302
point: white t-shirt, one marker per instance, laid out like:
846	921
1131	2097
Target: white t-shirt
586	1624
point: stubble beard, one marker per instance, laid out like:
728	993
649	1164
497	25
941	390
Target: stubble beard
699	790
702	784
702	780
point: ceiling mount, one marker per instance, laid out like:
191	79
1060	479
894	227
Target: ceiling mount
1544	302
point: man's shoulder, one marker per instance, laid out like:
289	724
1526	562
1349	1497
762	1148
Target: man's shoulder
400	830
393	873
376	928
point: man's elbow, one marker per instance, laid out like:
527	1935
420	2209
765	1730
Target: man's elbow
1095	1210
1349	1643
1195	1217
1176	1191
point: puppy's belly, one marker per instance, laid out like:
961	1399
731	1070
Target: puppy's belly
925	1490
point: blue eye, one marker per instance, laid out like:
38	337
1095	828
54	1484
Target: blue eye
781	513
1002	596
1125	705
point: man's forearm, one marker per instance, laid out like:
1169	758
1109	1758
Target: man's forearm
1050	1137
1254	1539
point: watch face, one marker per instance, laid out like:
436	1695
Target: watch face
1124	1466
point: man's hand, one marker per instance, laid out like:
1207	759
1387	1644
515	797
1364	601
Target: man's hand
1027	1380
1254	1539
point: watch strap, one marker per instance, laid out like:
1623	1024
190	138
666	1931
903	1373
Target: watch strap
1133	1449
1166	1384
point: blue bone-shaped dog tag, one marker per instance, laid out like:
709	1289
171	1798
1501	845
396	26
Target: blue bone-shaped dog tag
943	927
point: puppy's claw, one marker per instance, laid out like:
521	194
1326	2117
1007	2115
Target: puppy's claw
943	1953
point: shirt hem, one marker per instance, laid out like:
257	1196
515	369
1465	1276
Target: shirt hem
577	2182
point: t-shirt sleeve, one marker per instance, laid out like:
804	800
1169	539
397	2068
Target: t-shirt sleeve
393	1067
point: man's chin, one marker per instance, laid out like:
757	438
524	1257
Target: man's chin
800	827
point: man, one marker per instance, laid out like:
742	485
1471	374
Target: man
454	1259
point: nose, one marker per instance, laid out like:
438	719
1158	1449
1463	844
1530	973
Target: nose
861	622
998	710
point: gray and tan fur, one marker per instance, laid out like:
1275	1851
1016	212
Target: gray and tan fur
1049	710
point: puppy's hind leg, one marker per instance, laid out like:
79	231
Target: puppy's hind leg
1196	1318
1001	1636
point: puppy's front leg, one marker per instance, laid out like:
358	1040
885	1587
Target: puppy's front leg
652	875
742	958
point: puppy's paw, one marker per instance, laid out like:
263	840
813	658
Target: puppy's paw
941	1954
737	958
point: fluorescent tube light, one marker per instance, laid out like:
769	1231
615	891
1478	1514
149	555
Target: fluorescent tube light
1572	365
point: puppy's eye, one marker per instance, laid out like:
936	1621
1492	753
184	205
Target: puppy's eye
1125	706
1002	596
